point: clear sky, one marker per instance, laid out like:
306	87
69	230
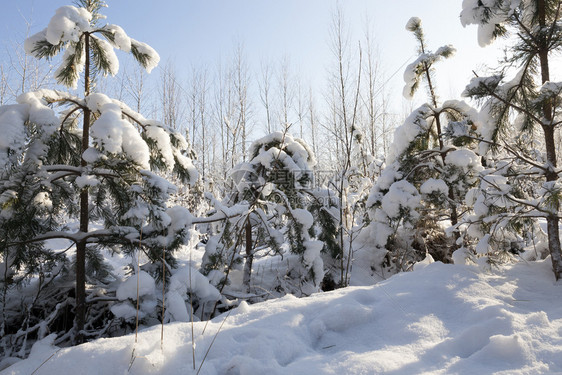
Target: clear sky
194	32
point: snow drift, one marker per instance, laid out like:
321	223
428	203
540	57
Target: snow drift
440	319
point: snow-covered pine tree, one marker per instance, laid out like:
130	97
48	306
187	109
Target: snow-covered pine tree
273	186
426	172
522	181
426	159
102	174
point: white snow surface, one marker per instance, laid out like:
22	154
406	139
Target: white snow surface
464	159
122	40
128	289
415	70
401	195
67	24
439	319
189	278
43	200
13	118
434	185
301	157
12	125
152	57
413	125
114	135
483	246
304	217
86	180
162	139
499	12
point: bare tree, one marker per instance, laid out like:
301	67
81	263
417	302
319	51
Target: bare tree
300	106
203	115
371	93
388	123
331	125
241	75
192	95
223	110
119	87
344	104
3	85
313	121
27	73
264	85
171	103
136	88
344	86
286	92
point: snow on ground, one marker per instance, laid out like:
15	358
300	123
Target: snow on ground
440	319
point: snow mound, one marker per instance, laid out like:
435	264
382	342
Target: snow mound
440	319
143	284
67	24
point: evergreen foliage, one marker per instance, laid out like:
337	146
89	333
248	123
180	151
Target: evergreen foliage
273	189
521	110
429	171
52	176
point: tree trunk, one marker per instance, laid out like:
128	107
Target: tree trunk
249	256
550	145
80	318
454	216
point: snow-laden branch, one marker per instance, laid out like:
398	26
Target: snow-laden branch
74	237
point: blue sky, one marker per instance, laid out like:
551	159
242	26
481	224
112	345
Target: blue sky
196	32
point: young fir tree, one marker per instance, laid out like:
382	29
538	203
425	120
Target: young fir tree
426	159
54	171
419	193
523	113
273	187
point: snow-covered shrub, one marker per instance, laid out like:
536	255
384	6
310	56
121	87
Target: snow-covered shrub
189	291
339	209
